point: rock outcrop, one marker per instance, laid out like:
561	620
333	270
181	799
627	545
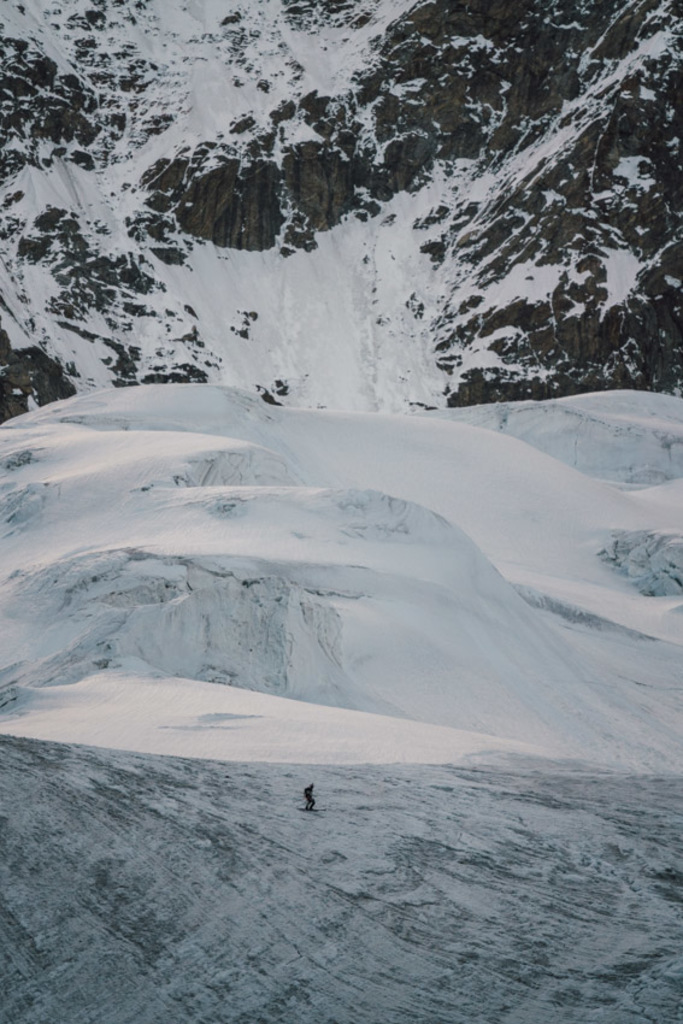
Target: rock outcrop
28	375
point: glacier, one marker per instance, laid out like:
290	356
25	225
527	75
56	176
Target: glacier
208	602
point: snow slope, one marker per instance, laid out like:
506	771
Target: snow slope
395	588
147	890
332	324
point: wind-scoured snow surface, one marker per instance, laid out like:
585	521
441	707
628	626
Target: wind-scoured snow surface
143	890
472	648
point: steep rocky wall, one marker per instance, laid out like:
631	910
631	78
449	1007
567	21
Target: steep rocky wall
549	135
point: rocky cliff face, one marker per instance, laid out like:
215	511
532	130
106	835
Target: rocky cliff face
376	204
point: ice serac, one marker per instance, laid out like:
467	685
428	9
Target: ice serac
623	436
460	203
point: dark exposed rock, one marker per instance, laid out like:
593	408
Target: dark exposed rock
169	254
285	112
184	373
127	359
234	206
38	104
80	331
231	205
267	395
308	14
319	180
28	373
88	279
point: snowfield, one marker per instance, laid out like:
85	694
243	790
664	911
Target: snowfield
464	626
170	552
472	647
149	890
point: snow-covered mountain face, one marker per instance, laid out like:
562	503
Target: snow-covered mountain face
371	205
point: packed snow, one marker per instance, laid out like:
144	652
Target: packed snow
149	890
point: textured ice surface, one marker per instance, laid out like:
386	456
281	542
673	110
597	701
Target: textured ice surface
142	890
653	561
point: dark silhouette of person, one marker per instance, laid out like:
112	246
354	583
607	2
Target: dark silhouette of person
308	796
